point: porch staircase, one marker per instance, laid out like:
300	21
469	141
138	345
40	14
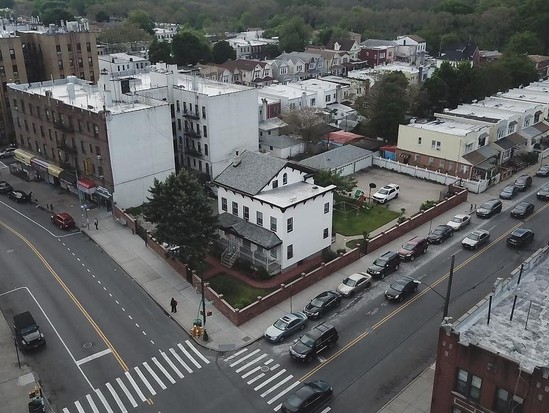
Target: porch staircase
229	257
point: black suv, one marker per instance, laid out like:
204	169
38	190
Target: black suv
384	265
489	208
309	345
27	332
523	182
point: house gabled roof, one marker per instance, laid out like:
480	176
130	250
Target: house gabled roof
336	158
377	42
459	52
345	44
414	37
242	64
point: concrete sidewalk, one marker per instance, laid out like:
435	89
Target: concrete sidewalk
162	282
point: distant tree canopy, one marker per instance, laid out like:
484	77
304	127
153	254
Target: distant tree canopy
142	19
306	122
222	51
190	47
293	35
102	16
125	32
160	52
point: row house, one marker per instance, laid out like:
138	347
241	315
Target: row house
338	63
255	49
411	49
268	111
350	46
290	67
272	214
249	72
458	53
377	51
215	72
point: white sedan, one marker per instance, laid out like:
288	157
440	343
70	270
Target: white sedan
475	239
460	221
354	283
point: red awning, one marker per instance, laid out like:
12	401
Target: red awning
86	185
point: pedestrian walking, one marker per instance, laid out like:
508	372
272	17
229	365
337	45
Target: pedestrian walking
173	304
51	207
96	223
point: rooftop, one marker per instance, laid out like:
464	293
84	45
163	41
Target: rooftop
448	127
506	104
482	113
279	142
529	95
284	91
336	158
287	195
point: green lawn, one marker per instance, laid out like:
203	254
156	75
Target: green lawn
237	293
366	220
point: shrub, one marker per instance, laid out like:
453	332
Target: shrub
262	273
529	157
402	219
341	251
328	255
427	205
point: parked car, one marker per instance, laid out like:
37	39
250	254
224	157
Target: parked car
523	182
63	220
308	398
400	289
27	332
543	193
543	171
413	248
386	193
440	233
489	208
509	192
475	239
19	196
384	265
5	187
322	303
459	222
285	326
522	209
520	237
320	337
7	152
354	283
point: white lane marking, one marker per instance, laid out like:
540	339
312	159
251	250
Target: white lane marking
144	333
283	392
116	398
177	371
180	360
126	392
326	410
252	371
275	367
77	259
135	387
245	358
193	348
256	378
160	383
236	354
144	380
137	325
65	410
276	386
94	356
79	407
130	317
103	400
268	362
245	366
163	370
184	350
92	404
281	372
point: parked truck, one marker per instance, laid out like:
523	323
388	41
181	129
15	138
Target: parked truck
27	332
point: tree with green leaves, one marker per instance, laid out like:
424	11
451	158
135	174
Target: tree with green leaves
294	34
344	184
191	47
160	52
182	215
223	51
102	16
306	122
125	32
142	19
526	42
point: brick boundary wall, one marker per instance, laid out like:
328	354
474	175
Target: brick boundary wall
124	218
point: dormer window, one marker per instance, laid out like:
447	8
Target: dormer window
284	179
275	183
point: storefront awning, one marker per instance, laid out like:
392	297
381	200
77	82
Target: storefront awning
104	192
68	177
23	156
54	170
86	185
39	164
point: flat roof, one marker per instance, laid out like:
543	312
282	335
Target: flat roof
530	95
284	90
208	87
287	195
479	112
506	104
448	127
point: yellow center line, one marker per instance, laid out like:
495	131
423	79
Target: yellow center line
415	298
70	294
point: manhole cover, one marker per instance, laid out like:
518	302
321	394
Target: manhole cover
264	368
87	345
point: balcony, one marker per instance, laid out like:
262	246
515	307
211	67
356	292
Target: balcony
191	115
193	152
191	133
63	146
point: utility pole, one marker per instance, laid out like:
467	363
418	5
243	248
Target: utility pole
447	298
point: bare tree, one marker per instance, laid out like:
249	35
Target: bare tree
307	122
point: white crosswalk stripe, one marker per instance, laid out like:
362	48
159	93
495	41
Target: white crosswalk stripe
134	384
180	360
245	366
195	350
79	407
152	373
92	404
163	370
177	371
65	410
280	373
116	398
256	378
240	360
251	372
235	355
103	400
276	386
145	381
126	392
283	392
188	355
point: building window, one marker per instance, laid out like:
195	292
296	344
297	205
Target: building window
468	384
273	224
511	128
290	225
326	233
289	251
326	207
203	112
224	204
246	213
435	145
419	140
464	169
259	218
507	403
430	161
284	179
468	147
58	48
205	130
482	141
235	208
275	183
206	149
500	133
273	253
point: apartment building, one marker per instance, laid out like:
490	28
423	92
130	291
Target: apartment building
122	62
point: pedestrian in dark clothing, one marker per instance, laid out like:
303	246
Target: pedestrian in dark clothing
96	223
51	207
173	304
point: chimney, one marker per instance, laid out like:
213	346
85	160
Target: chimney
107	95
70	91
265	108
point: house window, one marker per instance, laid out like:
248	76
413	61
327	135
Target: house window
203	112
482	141
326	207
430	161
246	213
206	149
275	183
235	208
468	384
290	225
500	133
284	179
326	233
527	121
468	147
511	128
205	129
224	204
435	145
507	403
313	102
289	251
273	253
419	140
259	218
464	169
273	224
416	157
441	163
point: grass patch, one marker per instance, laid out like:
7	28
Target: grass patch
360	220
237	293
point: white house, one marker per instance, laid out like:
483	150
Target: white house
271	212
282	146
122	63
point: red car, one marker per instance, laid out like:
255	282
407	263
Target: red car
63	220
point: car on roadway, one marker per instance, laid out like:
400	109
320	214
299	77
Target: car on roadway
308	398
522	209
63	220
459	221
285	326
7	152
543	171
440	233
523	182
19	196
320	337
5	188
489	208
402	288
475	239
520	237
508	192
413	248
322	303
384	265
354	283
386	193
543	193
